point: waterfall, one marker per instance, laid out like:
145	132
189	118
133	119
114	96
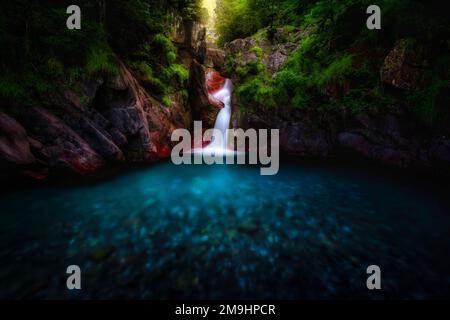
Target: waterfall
219	138
223	118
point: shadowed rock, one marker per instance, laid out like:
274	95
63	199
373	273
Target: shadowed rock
405	66
60	145
14	144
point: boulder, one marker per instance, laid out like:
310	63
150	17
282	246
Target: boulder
388	139
199	99
186	32
215	58
274	52
135	117
59	145
356	142
91	126
384	153
112	119
406	66
302	139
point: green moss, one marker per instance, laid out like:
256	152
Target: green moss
39	57
256	90
166	101
10	89
145	75
337	70
162	45
184	94
291	88
258	51
428	101
179	72
100	60
55	67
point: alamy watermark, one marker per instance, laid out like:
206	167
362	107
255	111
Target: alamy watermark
374	280
74	279
373	21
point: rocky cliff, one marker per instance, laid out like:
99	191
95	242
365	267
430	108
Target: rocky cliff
109	119
393	137
114	119
119	121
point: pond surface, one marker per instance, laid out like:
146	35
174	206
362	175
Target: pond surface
226	232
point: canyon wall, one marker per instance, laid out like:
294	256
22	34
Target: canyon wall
394	138
118	122
112	120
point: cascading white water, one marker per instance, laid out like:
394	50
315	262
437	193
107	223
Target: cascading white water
219	137
223	118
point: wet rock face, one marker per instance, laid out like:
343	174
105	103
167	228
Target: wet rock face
116	121
391	139
60	146
274	52
405	67
186	33
202	107
215	58
303	139
300	134
388	139
14	144
123	108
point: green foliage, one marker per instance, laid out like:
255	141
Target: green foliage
165	47
236	19
337	70
179	72
427	102
10	88
166	100
192	10
100	60
338	53
145	75
254	85
292	88
40	55
155	65
258	51
256	90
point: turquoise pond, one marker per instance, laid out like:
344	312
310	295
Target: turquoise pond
222	231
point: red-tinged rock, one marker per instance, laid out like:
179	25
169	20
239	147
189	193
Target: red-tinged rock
214	81
61	146
36	175
203	109
215	58
83	166
14	144
163	151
